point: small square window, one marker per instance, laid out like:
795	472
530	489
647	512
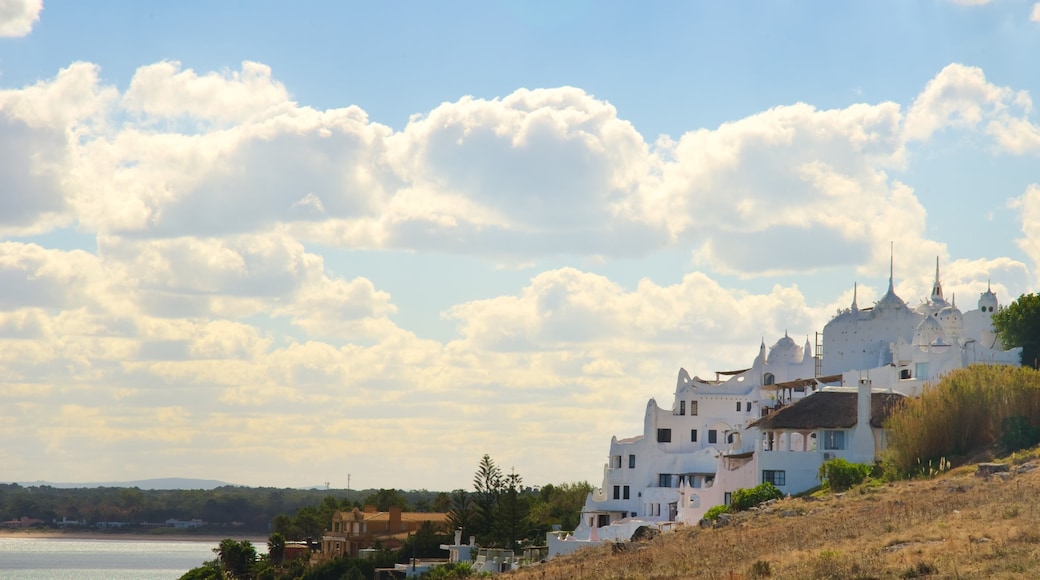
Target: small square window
777	477
664	435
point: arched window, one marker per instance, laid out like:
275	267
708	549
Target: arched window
768	379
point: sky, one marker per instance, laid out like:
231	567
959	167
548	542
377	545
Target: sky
288	244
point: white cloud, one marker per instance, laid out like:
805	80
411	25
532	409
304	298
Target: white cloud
960	97
1034	14
18	16
163	91
1028	205
536	173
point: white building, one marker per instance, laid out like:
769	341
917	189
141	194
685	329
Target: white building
691	456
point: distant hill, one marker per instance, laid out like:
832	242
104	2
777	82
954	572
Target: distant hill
159	483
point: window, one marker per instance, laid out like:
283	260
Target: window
726	497
776	477
615	461
738	406
713	436
693	407
904	373
617	492
631	461
664	480
682	407
768	379
730	437
693	435
921	370
747	405
626	493
664	435
834	440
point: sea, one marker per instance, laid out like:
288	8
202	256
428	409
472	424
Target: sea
34	558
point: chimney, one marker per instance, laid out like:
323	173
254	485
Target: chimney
863	403
395	519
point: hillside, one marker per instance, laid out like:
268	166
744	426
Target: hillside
956	525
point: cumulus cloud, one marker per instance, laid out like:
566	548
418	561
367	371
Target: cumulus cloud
39	129
207	307
1028	204
17	17
1034	14
960	97
535	173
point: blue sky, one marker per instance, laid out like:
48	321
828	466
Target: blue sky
277	244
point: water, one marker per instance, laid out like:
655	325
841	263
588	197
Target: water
70	559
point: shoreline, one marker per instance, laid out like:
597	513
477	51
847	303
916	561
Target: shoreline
86	534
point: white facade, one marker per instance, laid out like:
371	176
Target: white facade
692	455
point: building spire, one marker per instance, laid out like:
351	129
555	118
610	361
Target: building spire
891	266
937	294
855	292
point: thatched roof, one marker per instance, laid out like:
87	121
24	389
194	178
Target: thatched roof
829	410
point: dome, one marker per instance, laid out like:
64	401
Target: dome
928	331
784	351
890	302
952	321
988	301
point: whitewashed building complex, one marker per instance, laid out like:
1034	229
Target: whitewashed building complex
780	418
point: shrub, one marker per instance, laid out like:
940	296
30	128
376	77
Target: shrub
714	513
840	475
744	499
1018	433
962	413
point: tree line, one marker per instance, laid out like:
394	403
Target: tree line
249	508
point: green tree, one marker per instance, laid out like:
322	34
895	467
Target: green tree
276	549
236	558
1018	324
207	571
464	514
487	487
511	511
385	498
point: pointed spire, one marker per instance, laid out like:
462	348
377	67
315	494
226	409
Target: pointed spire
891	266
855	294
937	294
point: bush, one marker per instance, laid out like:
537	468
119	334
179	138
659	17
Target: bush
714	513
745	499
840	475
961	414
1018	433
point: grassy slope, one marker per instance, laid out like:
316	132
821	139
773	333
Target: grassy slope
953	526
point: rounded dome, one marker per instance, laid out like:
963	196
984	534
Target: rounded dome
785	350
952	321
988	301
890	303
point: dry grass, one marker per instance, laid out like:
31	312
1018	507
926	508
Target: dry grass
953	526
960	414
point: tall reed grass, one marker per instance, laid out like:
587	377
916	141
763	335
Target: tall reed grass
961	413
